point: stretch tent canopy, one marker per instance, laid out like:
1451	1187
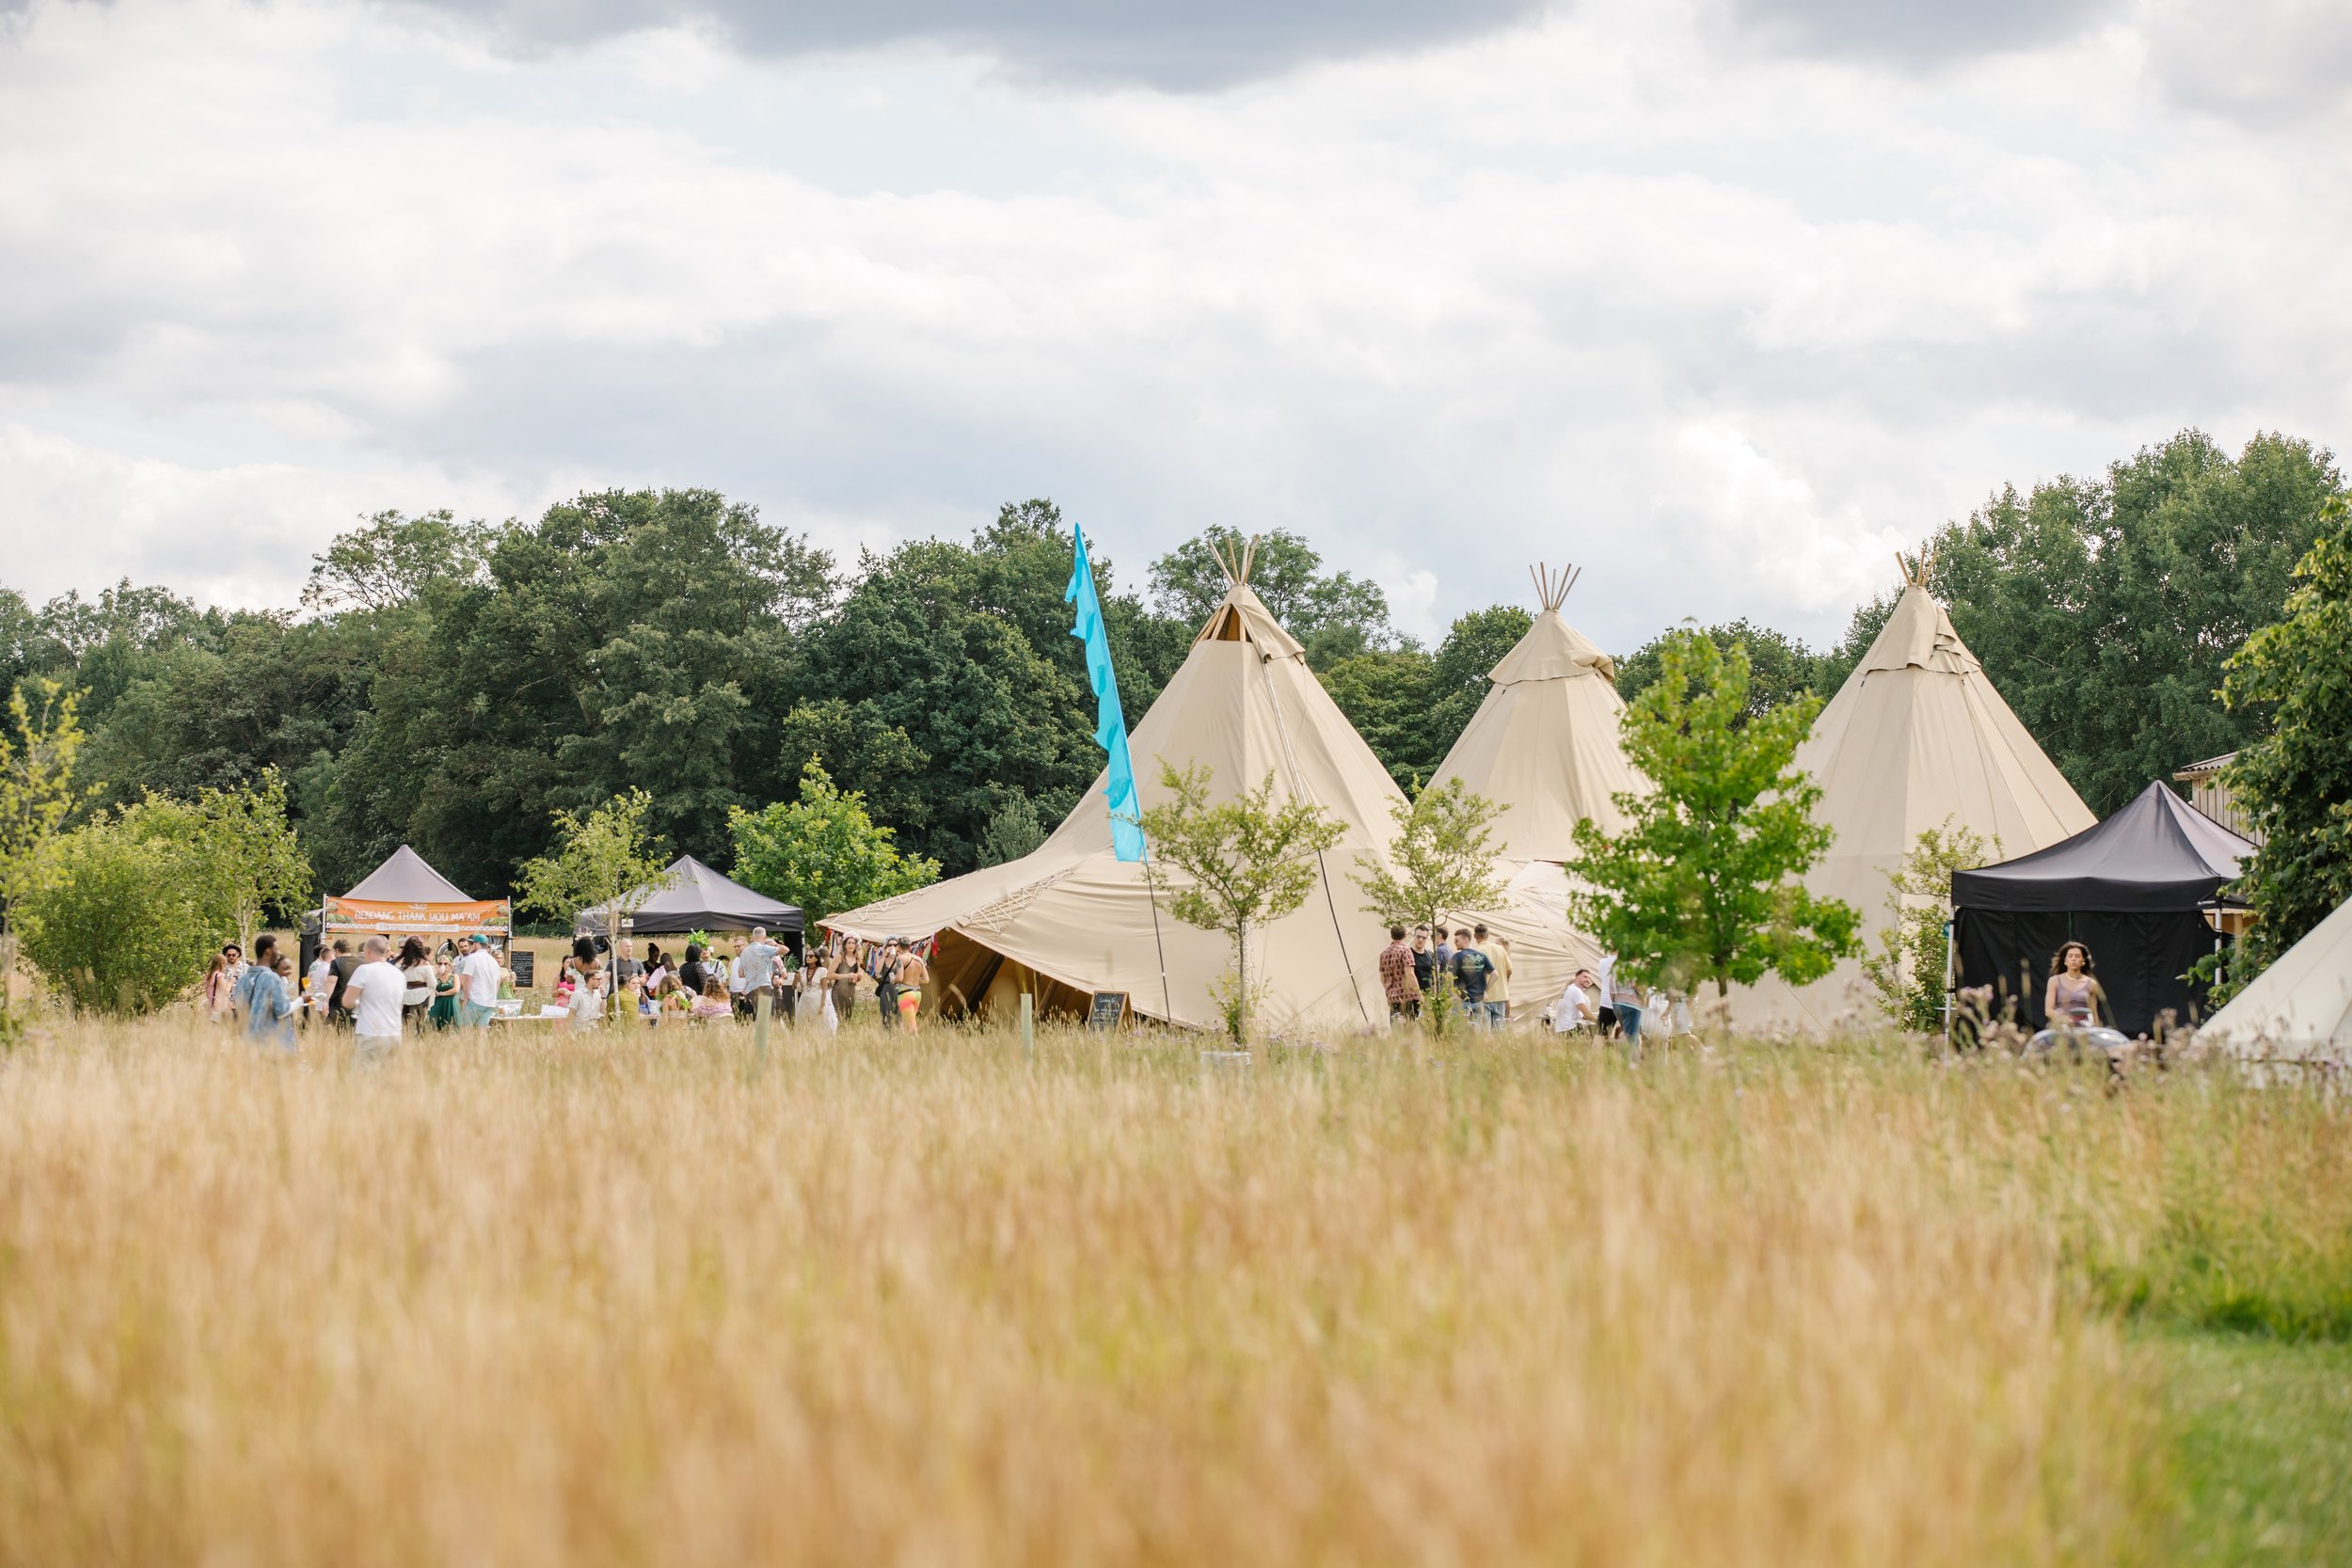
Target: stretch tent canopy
2133	889
1071	918
1916	739
2301	1007
404	894
694	897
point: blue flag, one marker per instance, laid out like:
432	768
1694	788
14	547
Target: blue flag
1110	724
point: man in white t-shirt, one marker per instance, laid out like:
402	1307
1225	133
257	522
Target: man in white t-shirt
477	985
373	994
1575	1009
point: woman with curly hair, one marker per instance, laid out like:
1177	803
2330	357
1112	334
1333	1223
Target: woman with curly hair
2073	995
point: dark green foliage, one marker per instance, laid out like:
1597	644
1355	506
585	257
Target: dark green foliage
1336	615
1781	669
962	655
1411	706
2295	783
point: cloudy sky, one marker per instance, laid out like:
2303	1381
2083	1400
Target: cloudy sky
1723	299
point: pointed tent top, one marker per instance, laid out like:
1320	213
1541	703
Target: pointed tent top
1235	560
405	878
1918	635
1551	650
1552	587
1244	618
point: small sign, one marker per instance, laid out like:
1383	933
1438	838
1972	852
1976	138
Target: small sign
1109	1007
524	965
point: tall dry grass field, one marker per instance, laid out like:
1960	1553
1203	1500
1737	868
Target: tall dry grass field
654	1299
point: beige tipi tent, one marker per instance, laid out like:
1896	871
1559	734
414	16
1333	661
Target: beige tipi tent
1544	744
2301	1007
1070	919
1917	738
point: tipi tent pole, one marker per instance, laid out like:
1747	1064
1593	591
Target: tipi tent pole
1299	787
1168	1003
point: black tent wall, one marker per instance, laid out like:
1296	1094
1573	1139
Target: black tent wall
2140	958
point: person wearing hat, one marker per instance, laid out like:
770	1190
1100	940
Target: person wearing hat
477	982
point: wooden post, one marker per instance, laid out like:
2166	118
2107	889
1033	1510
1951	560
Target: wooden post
1028	1024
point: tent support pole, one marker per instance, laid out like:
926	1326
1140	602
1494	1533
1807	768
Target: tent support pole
1299	784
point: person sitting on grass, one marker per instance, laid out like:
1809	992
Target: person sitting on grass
713	1002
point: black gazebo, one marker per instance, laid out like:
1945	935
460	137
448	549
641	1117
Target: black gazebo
697	899
2135	890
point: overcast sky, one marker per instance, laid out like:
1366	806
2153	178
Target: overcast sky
1722	300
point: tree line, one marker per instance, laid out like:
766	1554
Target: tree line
453	684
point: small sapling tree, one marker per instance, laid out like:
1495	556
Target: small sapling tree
1703	884
1249	861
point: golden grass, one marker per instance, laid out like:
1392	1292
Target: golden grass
649	1298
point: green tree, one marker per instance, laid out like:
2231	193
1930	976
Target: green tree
259	862
2295	784
605	860
37	750
1411	706
128	906
392	559
1384	694
1704	883
964	653
1336	615
1012	832
625	639
1440	858
1910	967
822	852
1247	861
1780	667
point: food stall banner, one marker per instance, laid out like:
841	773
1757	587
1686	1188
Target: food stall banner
484	917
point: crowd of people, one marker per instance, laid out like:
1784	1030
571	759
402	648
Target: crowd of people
383	993
377	993
1469	969
703	981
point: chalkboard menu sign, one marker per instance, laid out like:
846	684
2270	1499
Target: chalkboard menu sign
1109	1007
524	965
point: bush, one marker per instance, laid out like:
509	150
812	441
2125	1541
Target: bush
123	923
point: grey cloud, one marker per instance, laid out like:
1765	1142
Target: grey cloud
1917	32
1169	43
2259	61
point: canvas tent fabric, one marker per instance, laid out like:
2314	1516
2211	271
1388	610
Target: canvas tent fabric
2133	889
404	878
1916	739
698	898
1069	919
2301	1007
1544	744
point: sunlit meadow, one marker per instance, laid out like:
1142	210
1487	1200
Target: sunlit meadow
668	1298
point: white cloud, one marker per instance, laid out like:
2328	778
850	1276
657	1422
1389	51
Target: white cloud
1719	323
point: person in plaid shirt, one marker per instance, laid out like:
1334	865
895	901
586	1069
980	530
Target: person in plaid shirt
1396	976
